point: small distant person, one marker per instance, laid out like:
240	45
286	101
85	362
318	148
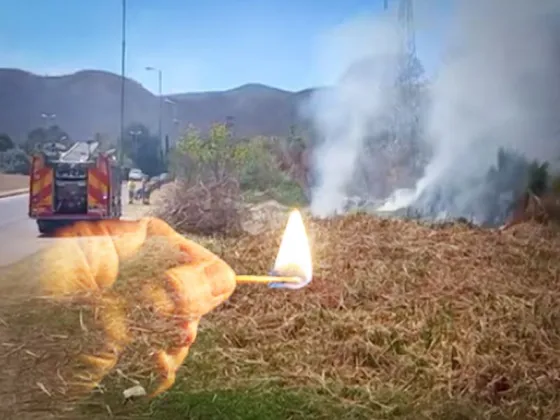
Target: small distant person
145	192
131	190
138	193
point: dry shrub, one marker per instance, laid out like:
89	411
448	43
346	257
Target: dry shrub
453	313
531	207
263	216
544	209
203	208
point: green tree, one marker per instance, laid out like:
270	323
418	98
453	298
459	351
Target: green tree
254	163
6	143
105	142
515	172
513	176
144	149
41	136
259	168
214	156
538	178
14	161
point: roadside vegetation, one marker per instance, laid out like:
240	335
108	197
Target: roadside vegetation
217	176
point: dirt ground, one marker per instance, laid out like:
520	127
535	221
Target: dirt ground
10	182
137	210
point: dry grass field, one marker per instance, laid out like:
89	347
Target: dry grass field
402	321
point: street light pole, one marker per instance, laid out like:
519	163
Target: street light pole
49	118
174	119
135	134
123	58
160	106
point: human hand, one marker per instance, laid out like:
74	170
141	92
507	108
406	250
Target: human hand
137	291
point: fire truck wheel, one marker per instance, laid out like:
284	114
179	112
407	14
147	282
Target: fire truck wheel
49	227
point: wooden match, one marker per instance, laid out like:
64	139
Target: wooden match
246	279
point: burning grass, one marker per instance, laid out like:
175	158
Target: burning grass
402	321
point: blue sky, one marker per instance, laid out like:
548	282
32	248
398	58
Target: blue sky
199	45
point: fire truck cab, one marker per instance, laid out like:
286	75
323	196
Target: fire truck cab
78	184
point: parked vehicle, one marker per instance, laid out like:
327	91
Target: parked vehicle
80	184
136	174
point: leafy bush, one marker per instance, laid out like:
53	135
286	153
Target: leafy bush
6	143
38	137
210	158
538	178
216	173
14	161
555	184
252	162
143	150
259	168
286	191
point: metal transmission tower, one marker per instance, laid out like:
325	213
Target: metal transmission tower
406	17
407	30
406	120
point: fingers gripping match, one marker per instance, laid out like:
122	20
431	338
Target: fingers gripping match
87	259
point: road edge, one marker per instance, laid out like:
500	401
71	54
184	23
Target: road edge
21	191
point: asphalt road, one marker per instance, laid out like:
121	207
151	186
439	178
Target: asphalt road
19	236
18	233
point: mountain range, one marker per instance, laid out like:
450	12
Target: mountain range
87	103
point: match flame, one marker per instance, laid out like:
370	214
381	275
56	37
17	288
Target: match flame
294	255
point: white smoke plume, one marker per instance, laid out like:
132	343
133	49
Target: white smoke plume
366	51
498	86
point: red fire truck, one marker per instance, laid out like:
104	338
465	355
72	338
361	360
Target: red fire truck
79	184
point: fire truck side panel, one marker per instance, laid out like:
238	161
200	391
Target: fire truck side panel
98	188
40	188
76	185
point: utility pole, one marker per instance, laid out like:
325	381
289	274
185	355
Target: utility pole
135	144
120	151
160	97
49	122
230	126
174	121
